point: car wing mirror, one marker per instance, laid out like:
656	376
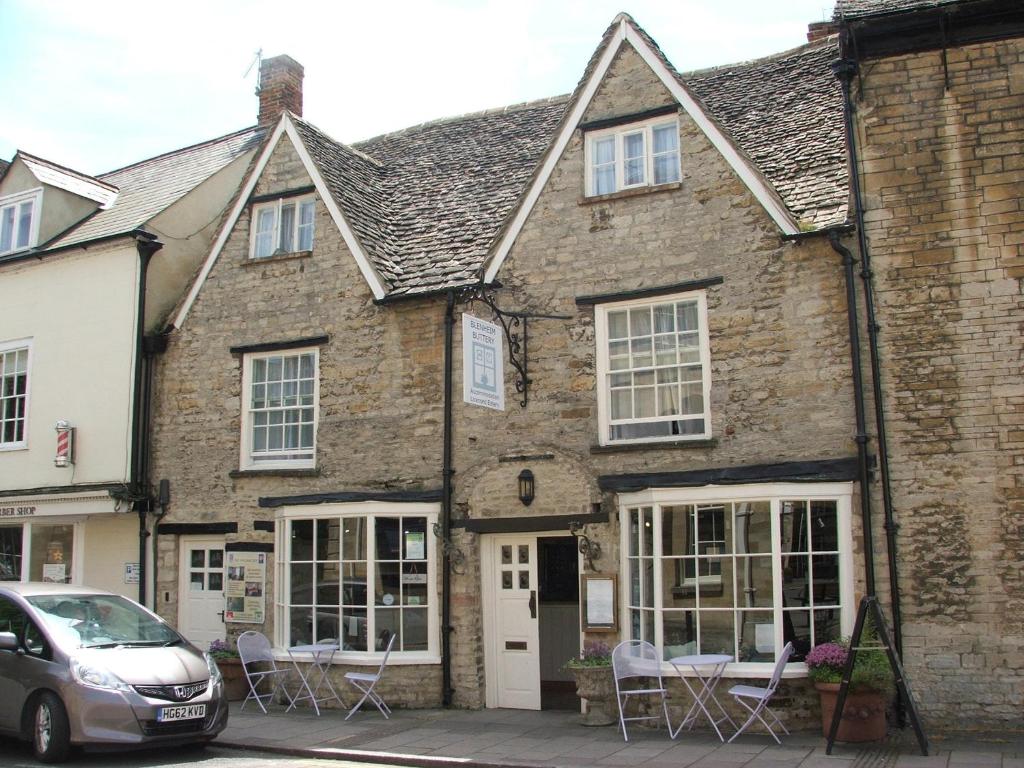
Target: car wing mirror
8	641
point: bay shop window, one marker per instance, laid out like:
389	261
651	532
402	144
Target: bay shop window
354	574
738	570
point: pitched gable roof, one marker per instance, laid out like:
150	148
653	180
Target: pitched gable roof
69	180
450	184
786	113
427	208
4	165
151	186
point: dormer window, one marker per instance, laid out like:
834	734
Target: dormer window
283	226
19	221
632	156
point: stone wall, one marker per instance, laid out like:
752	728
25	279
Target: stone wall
942	172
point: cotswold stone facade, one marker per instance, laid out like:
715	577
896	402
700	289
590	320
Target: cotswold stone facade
752	500
943	179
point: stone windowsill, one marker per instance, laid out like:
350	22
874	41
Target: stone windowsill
270	472
251	262
630	193
669	445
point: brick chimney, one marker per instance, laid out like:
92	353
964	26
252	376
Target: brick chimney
280	88
818	30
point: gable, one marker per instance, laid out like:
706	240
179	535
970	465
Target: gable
296	165
622	34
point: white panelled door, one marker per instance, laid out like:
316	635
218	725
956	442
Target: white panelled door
513	625
201	589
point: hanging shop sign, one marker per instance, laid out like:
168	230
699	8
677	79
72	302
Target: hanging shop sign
245	588
483	379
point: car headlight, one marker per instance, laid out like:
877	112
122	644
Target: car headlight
97	677
215	676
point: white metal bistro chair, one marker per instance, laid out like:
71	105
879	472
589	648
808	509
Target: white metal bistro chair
638	659
758	698
259	665
366	682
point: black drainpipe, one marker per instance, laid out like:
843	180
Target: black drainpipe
858	402
446	508
138	481
845	71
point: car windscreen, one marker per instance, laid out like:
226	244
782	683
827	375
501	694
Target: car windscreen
101	621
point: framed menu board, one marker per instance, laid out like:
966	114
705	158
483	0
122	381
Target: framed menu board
598	596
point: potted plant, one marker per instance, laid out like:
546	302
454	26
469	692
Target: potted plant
594	682
868	695
230	665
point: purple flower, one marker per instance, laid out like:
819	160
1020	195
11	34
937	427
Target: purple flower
830	656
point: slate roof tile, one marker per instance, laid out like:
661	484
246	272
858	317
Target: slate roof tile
149	187
858	9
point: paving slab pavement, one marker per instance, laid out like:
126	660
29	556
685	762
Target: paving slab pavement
438	738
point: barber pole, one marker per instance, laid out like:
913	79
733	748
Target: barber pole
65	444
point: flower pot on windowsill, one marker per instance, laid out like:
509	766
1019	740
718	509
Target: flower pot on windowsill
863	714
235	685
596	685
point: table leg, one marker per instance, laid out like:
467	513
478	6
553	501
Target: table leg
304	684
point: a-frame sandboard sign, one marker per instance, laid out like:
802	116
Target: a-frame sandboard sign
869	605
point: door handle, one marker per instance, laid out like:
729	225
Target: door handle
221	614
533	604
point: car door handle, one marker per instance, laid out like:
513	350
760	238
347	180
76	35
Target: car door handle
533	604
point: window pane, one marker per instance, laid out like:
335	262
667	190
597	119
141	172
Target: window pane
302	540
753	527
604	151
7	228
353	629
389	622
216	558
328	544
717	632
666	154
328	584
353	584
10	553
327	626
414	629
796	627
414	538
604	180
757	636
306	225
634	161
666	138
793	524
286	233
824	527
754	582
414	584
24	223
353	538
618	325
264	245
301	623
302	583
388	590
680	630
387	538
51	553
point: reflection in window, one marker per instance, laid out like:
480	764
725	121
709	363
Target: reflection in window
714	585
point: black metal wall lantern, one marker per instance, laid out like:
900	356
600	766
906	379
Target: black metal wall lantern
526	487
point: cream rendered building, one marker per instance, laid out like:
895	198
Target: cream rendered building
89	268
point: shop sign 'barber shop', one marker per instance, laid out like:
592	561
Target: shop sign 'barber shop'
17	511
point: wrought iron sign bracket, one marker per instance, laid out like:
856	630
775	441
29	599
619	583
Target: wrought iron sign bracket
516	328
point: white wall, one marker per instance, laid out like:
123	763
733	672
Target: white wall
78	308
110	541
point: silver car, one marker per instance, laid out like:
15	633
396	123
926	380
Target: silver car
80	666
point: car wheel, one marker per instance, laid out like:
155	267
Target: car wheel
51	734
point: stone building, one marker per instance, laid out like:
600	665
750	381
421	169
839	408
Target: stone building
937	99
679	390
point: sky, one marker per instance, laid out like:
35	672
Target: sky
99	85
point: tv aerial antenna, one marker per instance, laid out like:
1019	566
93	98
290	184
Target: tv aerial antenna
257	60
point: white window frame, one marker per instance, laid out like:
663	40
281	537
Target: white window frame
15	201
276	206
619	133
77	522
246	460
604	371
775	493
370	510
15	346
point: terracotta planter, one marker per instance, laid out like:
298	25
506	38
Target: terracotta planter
863	715
235	685
597	686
